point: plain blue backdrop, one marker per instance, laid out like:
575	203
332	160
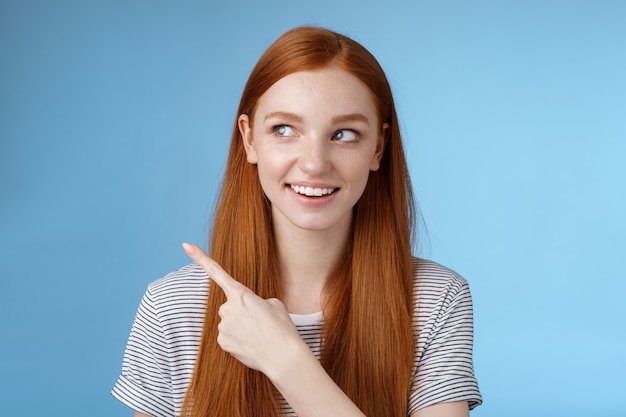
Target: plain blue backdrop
114	123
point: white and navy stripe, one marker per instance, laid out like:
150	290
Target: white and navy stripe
164	339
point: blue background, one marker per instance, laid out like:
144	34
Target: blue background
114	123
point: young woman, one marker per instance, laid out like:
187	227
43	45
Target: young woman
311	303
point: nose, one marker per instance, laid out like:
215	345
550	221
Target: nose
314	158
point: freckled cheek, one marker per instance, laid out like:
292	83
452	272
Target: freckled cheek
356	168
271	173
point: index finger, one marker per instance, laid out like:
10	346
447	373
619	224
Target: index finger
227	283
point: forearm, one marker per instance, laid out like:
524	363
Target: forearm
311	392
307	387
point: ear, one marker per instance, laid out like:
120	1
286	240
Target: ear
243	122
380	147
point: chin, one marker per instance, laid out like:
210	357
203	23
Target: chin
320	225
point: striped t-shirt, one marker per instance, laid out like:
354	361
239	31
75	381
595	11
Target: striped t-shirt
163	343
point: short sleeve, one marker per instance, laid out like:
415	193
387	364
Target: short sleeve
145	382
445	371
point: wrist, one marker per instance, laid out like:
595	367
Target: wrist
306	386
294	357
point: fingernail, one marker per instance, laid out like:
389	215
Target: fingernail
188	248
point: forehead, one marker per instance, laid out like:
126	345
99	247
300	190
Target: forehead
329	89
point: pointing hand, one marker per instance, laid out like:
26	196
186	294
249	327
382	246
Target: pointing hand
257	332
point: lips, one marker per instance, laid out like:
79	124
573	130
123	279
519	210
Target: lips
312	191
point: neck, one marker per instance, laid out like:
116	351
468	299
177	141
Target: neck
305	259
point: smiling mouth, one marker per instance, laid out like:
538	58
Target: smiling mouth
312	191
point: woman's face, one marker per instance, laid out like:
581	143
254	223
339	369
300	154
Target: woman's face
315	138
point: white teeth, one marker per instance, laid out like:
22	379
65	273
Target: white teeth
310	191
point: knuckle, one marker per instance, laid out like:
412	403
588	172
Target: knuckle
239	292
221	332
221	340
275	302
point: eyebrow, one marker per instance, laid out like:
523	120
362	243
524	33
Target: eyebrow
353	117
283	115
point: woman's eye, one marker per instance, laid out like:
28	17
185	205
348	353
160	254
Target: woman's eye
284	130
345	135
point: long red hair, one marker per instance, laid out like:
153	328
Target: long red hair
367	340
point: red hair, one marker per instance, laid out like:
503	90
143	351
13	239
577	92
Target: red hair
367	335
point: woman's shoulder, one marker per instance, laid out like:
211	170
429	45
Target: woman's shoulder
189	275
433	278
185	286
